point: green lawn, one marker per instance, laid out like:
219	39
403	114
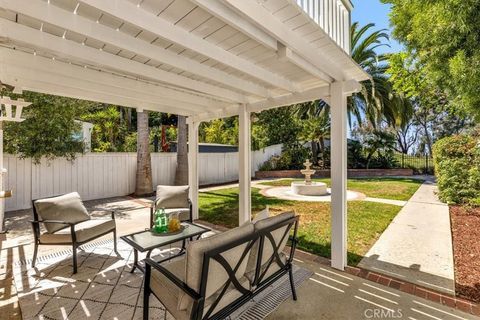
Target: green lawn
366	220
386	188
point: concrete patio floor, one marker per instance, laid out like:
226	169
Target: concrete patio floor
417	245
329	294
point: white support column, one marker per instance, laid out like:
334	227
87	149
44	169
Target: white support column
193	165
338	173
2	200
244	164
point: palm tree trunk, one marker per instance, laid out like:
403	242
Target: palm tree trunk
129	118
322	151
143	183
314	152
181	173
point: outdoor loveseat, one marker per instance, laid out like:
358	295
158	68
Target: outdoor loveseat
219	274
172	199
67	222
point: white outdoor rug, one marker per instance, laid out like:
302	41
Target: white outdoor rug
104	288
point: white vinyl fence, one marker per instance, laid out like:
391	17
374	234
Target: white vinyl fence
103	175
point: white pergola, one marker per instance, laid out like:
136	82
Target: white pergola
203	59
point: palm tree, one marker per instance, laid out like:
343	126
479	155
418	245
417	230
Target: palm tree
377	99
316	128
143	182
181	172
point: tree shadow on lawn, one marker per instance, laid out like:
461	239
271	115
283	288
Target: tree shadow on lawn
226	201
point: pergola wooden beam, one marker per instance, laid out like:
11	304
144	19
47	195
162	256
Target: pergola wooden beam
253	11
29	75
104	97
162	94
286	54
224	13
77	52
61	18
271	103
290	99
128	12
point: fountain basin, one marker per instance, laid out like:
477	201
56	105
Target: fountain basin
314	189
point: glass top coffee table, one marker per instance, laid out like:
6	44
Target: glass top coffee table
146	241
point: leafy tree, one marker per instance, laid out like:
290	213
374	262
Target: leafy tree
225	131
280	126
433	116
443	37
49	129
109	129
407	137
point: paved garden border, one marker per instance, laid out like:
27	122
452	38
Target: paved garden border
325	173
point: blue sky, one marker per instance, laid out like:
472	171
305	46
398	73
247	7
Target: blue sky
366	11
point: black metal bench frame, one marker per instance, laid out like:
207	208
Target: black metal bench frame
259	283
74	243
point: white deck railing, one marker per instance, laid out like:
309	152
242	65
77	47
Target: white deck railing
333	16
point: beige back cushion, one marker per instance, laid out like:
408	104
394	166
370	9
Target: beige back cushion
68	208
217	276
172	197
264	214
277	234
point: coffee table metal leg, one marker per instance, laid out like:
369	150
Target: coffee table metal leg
135	260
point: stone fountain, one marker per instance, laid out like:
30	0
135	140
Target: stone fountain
308	187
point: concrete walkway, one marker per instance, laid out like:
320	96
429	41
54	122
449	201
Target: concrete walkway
417	245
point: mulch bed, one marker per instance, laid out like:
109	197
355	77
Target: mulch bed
466	247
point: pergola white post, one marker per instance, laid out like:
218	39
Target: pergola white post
244	164
339	91
339	175
193	165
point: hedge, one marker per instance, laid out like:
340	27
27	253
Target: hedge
457	167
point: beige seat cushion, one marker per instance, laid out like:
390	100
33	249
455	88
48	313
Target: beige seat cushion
217	274
268	248
172	197
68	208
166	291
169	294
84	231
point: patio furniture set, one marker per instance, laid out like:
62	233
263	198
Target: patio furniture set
209	278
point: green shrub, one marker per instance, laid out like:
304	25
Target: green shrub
291	158
457	166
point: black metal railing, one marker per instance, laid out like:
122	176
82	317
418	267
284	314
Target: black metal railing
419	164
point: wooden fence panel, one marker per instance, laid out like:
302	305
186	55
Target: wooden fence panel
104	175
